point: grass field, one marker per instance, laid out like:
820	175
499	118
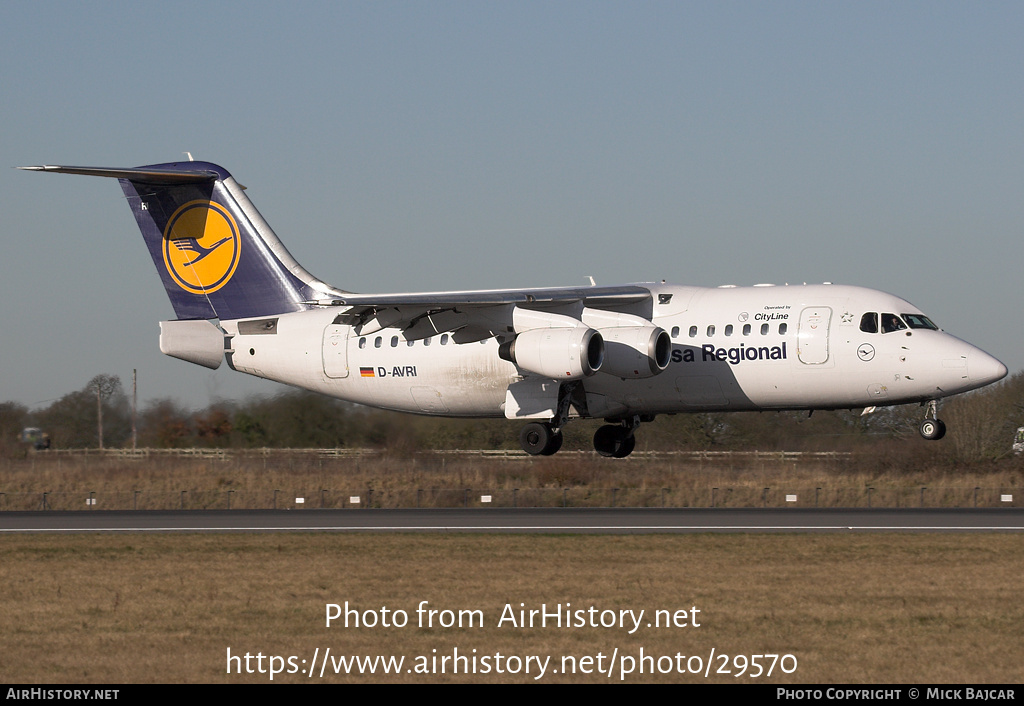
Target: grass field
848	608
276	479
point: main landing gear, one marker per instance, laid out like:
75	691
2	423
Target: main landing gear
545	438
616	440
540	439
932	428
612	440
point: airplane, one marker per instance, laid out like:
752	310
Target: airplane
541	355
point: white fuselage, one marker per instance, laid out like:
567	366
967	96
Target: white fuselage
733	348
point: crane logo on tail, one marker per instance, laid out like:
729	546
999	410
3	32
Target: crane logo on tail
201	246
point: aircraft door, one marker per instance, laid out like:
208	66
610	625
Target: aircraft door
812	336
336	351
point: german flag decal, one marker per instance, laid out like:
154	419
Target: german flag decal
366	372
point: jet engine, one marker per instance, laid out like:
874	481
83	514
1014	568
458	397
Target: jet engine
561	353
634	347
634	352
553	345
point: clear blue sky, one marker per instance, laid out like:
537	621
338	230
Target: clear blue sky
437	145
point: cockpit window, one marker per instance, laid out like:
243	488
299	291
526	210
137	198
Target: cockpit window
891	322
919	321
869	322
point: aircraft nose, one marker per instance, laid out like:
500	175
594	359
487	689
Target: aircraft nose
983	368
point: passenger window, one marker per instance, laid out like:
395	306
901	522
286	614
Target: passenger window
426	341
377	341
394	341
764	329
728	329
444	339
693	332
410	343
869	322
783	328
675	332
362	343
891	322
746	329
711	330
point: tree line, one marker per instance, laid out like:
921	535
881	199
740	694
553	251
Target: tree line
981	426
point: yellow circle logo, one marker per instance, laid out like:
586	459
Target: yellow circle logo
201	246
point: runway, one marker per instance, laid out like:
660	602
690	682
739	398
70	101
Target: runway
535	520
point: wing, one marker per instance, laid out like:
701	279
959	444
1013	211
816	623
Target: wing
476	315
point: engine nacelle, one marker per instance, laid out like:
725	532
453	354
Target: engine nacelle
560	353
634	347
634	352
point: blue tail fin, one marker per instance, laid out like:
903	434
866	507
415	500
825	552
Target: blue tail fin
215	254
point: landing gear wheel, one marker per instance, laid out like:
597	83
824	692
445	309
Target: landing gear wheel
614	441
626	447
933	429
540	439
553	445
606	440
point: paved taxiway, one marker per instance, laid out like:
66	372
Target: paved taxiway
547	520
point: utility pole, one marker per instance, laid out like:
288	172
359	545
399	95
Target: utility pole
99	415
135	399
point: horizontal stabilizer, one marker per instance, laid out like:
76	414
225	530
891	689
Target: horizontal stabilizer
141	174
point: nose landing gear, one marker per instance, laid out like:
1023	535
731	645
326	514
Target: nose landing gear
932	428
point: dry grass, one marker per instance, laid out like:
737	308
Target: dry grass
860	609
436	480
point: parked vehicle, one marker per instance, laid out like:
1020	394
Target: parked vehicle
36	437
